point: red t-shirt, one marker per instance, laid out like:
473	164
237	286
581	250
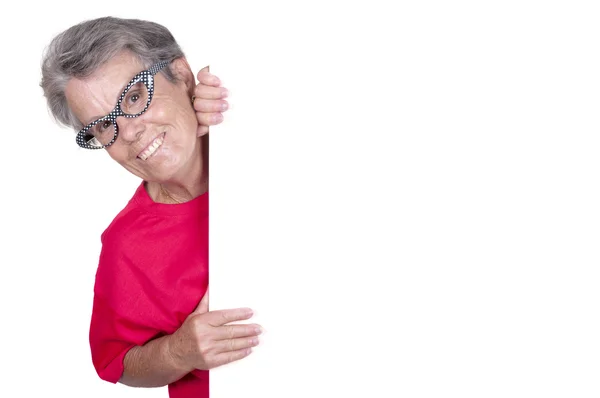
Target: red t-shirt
153	272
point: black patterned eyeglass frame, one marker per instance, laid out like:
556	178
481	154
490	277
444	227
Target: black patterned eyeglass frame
147	77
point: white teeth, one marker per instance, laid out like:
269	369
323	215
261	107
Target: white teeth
152	148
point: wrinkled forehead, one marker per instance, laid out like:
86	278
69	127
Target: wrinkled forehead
96	95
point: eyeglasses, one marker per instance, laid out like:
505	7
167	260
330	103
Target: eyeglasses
133	102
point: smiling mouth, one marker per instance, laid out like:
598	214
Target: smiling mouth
152	147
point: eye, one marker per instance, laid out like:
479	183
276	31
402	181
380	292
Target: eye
135	99
104	125
132	97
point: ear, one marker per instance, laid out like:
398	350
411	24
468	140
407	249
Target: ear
183	73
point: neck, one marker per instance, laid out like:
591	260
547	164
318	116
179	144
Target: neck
189	183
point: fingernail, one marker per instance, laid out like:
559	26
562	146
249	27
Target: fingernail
217	118
254	341
258	330
249	311
216	80
225	93
224	106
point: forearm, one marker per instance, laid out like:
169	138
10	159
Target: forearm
152	365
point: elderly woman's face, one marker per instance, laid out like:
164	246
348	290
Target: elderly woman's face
170	121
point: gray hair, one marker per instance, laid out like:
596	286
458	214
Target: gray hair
80	50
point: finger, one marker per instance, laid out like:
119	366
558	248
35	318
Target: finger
205	77
208	79
204	105
207	92
223	346
223	317
201	130
204	70
209	119
231	356
228	332
202	306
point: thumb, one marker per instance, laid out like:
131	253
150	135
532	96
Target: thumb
203	70
203	305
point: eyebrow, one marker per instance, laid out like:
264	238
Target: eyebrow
93	119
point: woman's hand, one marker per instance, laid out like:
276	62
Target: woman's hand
205	340
209	103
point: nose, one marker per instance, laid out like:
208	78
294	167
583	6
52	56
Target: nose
130	129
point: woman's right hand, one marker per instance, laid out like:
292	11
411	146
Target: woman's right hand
209	102
205	340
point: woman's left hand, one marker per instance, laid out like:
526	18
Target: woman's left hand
209	103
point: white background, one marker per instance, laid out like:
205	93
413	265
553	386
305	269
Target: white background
407	197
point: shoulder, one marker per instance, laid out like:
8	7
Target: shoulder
118	239
126	220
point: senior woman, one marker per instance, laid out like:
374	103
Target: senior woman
125	86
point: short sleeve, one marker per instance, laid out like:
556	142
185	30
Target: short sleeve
112	335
